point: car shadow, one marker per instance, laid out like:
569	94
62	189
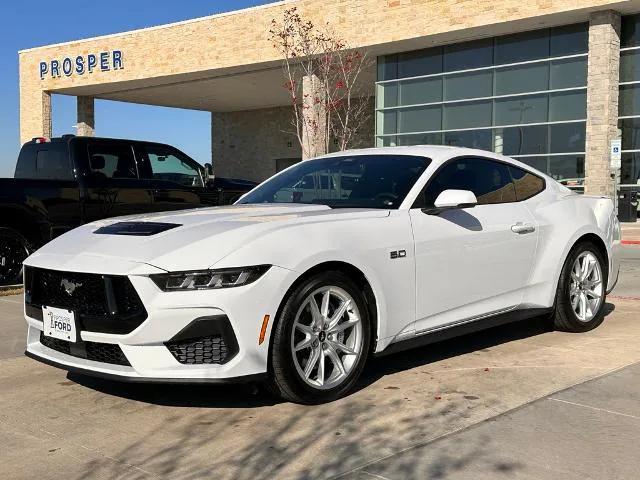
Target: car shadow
255	395
232	395
462	219
464	344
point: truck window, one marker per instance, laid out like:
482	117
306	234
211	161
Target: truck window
169	165
111	161
46	161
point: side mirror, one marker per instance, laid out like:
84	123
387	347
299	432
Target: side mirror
452	199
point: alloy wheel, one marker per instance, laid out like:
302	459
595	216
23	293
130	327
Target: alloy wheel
586	286
327	337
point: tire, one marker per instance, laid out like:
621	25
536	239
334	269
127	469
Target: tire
298	327
14	249
568	313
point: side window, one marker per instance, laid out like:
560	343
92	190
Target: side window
490	181
167	164
527	184
111	161
48	161
306	183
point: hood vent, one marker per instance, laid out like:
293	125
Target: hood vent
136	229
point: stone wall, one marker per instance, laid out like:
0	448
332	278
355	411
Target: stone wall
229	43
247	144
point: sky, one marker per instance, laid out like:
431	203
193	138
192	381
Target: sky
33	23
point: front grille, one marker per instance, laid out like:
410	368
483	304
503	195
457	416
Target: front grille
101	303
198	351
97	352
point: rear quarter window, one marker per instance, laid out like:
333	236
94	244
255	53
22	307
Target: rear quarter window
44	161
526	183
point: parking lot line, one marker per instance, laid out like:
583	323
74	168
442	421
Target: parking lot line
604	410
373	475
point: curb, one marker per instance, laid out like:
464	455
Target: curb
4	288
630	242
622	297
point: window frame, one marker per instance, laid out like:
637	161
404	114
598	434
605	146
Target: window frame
572	56
496	160
145	169
627	46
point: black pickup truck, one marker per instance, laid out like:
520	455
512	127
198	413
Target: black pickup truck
63	182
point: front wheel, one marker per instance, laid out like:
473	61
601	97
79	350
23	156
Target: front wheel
321	339
582	290
14	249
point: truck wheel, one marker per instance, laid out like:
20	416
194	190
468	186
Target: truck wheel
14	249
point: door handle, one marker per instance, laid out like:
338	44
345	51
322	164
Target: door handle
522	228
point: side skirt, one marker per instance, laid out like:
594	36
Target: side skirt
463	329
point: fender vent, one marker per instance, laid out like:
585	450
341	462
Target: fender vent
139	229
198	351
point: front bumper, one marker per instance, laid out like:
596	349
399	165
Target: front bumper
148	358
259	377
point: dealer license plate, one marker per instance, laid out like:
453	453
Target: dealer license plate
59	323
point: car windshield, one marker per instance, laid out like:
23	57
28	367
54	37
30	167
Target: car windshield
356	181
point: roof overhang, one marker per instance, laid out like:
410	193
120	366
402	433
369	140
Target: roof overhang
226	62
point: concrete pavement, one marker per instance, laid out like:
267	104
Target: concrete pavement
629	280
589	431
465	408
630	233
14	332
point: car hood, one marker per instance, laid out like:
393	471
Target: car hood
202	237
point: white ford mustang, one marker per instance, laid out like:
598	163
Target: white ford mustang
334	259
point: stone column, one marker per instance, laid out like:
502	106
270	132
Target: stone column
313	118
86	118
602	100
47	122
35	115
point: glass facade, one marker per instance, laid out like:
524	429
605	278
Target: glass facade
629	100
523	95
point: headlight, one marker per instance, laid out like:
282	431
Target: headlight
205	279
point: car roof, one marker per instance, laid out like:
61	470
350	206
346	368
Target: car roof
439	154
71	138
431	151
436	153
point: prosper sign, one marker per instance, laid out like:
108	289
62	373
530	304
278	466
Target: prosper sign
81	64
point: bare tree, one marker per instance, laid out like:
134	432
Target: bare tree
322	76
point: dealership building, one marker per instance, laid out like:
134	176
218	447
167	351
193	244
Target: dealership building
550	82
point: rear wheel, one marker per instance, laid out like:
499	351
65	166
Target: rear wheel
14	249
581	290
321	339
